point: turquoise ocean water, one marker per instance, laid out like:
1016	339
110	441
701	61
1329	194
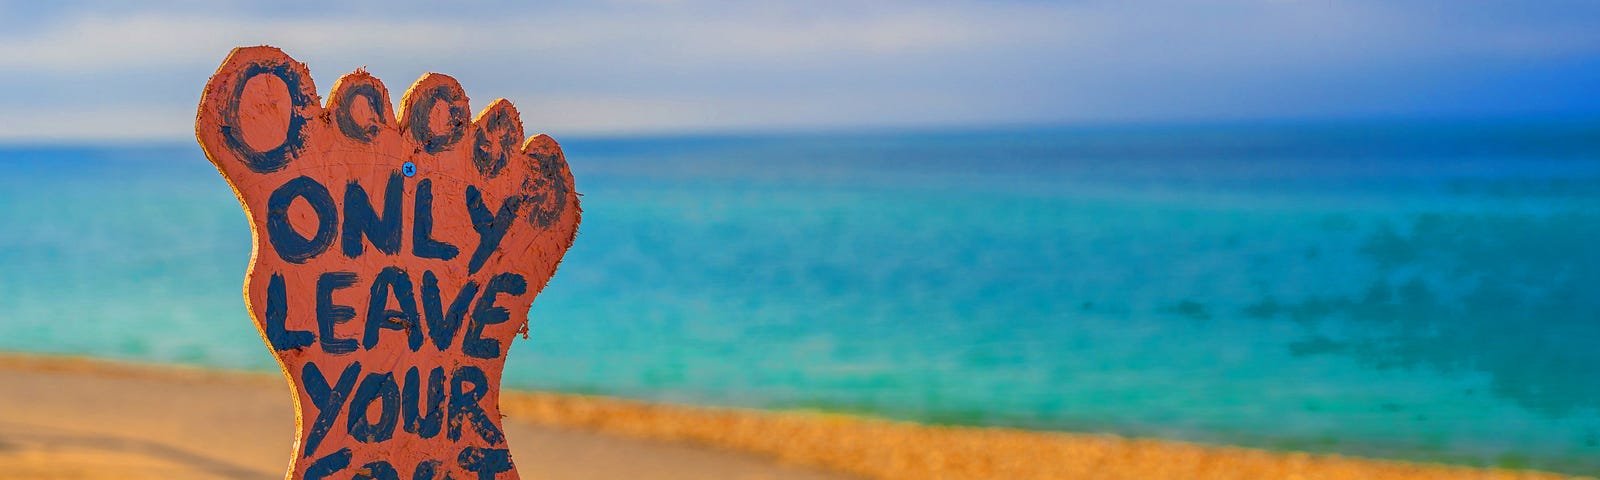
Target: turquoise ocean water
1406	290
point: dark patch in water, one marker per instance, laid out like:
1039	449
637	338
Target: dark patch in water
1511	296
1188	308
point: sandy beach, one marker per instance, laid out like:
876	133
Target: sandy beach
88	419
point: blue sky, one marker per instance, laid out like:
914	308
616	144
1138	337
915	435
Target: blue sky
96	70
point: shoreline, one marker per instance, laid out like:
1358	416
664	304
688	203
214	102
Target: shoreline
763	444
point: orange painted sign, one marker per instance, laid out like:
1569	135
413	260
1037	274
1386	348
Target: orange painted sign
396	255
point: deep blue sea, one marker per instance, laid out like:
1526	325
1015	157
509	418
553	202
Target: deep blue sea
1406	290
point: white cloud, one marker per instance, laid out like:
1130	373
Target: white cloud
91	123
662	65
95	42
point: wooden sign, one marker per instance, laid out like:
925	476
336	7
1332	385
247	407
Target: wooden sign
396	255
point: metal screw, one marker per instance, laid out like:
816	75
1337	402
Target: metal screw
409	169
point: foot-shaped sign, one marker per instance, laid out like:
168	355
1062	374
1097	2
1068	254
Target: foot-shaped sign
396	256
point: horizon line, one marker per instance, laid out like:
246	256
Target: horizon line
930	128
